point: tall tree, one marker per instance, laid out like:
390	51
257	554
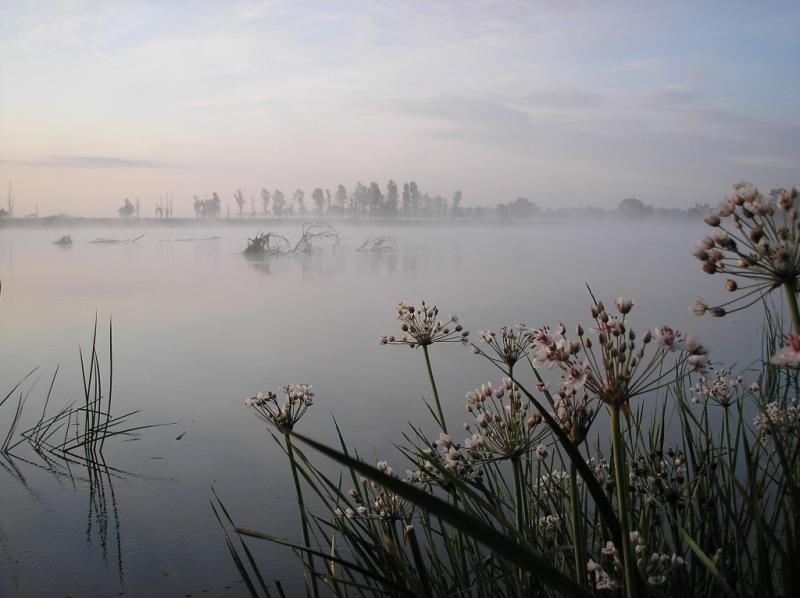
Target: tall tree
375	200
214	206
127	210
392	199
341	198
278	203
265	200
319	200
456	209
630	206
406	200
299	199
360	199
207	208
239	197
416	198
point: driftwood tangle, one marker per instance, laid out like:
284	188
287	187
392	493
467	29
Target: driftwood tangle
266	244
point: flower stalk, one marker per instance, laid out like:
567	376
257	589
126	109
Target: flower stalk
435	391
621	486
791	298
578	551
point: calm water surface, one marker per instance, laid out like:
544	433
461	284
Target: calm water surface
197	328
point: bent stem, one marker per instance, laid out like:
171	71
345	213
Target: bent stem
433	387
621	482
311	579
791	297
577	526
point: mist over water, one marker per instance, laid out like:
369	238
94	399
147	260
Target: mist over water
198	328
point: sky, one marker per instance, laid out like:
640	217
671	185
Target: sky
565	103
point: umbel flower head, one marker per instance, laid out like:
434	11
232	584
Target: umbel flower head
613	363
505	348
722	390
755	243
446	455
789	354
375	501
505	428
421	326
299	398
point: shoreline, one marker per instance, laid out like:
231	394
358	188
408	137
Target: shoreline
52	222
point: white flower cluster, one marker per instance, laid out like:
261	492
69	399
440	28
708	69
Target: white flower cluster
299	397
778	421
421	327
382	504
506	427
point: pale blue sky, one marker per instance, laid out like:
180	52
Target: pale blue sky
567	103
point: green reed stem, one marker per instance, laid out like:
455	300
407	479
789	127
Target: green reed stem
519	509
419	562
794	310
577	527
462	554
516	470
311	579
621	482
433	387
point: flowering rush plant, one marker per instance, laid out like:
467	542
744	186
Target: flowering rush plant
421	326
755	241
505	348
612	363
505	427
299	397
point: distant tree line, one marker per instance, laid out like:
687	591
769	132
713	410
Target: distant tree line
362	202
393	202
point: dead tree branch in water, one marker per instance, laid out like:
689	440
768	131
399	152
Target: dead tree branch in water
265	244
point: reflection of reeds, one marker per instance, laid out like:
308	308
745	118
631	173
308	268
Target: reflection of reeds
69	442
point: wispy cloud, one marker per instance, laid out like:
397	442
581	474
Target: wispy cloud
780	162
90	162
